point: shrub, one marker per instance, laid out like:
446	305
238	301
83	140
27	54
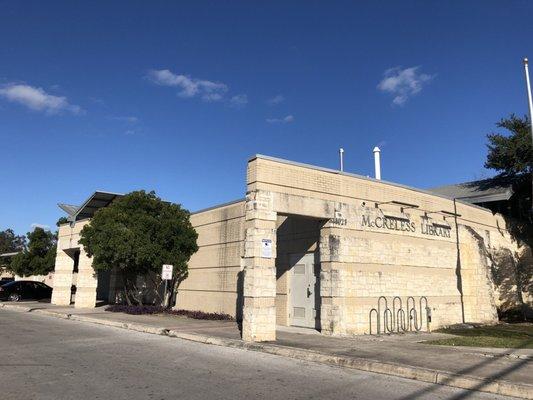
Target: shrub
134	309
149	310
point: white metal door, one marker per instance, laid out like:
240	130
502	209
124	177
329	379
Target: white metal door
303	291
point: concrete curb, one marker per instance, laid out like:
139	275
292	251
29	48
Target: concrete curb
500	387
15	308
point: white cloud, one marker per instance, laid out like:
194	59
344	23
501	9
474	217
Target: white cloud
285	120
189	87
239	100
42	226
403	83
276	100
37	99
129	119
97	100
209	97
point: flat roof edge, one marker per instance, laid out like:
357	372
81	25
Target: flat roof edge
366	178
229	203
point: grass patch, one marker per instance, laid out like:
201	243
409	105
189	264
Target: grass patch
500	336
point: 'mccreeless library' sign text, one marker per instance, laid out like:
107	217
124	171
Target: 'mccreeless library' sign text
404	225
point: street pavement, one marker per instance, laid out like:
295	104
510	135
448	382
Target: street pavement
49	358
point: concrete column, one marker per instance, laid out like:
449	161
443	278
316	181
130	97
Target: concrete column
87	282
333	253
259	311
62	278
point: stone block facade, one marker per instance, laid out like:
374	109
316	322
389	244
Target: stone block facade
84	280
380	246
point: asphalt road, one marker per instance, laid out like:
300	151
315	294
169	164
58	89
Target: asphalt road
47	358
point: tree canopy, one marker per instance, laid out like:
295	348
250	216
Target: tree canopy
511	153
9	242
61	221
137	234
39	257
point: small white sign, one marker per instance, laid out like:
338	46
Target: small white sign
166	272
266	248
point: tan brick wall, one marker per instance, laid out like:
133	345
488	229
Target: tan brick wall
215	277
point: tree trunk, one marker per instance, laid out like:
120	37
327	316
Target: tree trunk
174	284
125	288
157	282
130	289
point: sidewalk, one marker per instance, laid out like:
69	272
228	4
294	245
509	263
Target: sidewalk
501	371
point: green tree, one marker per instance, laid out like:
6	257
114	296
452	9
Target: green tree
512	153
10	243
61	221
137	234
39	257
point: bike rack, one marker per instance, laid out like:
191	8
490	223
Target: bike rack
395	320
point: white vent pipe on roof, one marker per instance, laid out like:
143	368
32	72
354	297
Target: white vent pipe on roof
341	156
377	162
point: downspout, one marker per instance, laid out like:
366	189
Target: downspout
458	264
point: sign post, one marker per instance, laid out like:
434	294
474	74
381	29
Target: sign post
166	275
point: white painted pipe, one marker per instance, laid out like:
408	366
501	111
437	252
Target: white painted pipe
377	162
341	155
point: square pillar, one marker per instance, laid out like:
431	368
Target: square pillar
87	282
333	253
259	262
62	282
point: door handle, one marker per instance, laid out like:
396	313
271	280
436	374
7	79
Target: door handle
309	293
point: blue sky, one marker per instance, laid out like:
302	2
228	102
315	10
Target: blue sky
176	96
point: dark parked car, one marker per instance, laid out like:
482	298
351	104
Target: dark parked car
19	290
3	281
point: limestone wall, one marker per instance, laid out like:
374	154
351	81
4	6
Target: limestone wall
372	247
511	271
47	279
64	277
215	277
4	273
373	239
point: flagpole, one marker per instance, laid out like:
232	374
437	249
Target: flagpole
530	104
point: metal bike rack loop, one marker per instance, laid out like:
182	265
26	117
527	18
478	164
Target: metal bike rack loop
399	320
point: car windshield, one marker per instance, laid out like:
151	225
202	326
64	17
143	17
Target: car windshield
9	284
